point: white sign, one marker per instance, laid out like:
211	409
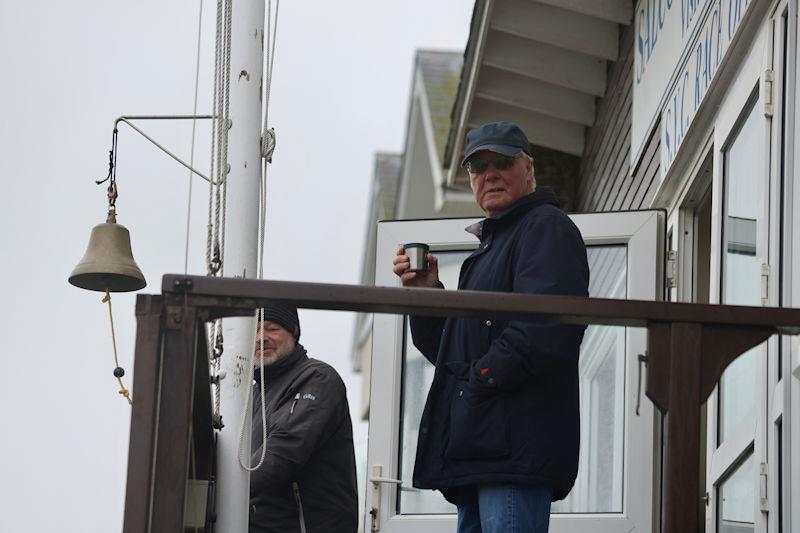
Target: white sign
664	29
694	78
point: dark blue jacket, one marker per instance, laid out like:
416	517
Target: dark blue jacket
503	405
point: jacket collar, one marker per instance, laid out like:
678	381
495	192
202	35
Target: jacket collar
541	196
282	365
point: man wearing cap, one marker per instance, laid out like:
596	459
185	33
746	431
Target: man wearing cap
499	435
306	478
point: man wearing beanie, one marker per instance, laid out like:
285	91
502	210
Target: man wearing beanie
307	480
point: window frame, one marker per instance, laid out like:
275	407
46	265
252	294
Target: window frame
643	232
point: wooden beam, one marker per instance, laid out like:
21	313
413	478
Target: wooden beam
543	130
558	27
202	426
241	297
147	365
619	11
702	340
682	446
174	416
536	95
552	64
658	361
720	349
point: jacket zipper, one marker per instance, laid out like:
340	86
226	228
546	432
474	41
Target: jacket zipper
296	397
296	489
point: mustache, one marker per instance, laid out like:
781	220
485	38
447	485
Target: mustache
265	346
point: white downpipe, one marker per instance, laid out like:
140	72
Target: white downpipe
241	245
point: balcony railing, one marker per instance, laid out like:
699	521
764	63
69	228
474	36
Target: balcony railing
689	346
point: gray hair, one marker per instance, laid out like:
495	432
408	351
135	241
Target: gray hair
529	158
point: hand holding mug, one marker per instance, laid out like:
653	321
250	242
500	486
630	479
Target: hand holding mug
415	277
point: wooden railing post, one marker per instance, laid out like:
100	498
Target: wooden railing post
682	445
174	416
147	362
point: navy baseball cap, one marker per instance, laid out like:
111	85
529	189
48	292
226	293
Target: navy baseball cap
502	137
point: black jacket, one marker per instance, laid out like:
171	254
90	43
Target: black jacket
503	405
309	463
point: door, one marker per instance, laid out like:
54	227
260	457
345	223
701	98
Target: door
614	488
745	272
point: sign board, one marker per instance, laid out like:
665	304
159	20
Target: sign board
663	31
694	78
678	46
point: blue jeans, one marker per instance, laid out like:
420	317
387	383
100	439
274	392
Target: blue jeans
504	509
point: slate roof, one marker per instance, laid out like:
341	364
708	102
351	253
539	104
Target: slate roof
387	177
440	73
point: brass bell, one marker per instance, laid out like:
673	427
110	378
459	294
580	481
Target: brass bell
108	262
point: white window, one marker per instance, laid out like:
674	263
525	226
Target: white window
744	249
745	258
614	488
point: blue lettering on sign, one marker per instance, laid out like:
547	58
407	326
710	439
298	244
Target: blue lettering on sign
698	59
651	17
688	10
684	118
717	58
677	115
703	64
641	43
735	15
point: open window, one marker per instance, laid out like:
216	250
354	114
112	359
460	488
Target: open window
614	491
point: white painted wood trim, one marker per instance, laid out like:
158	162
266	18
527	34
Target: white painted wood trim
470	83
536	95
619	11
558	27
558	66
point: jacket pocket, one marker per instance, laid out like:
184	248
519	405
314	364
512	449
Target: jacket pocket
477	425
299	503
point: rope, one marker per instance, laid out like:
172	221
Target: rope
212	329
267	149
215	258
215	132
226	129
268	137
118	371
217	207
194	129
217	200
217	368
245	462
111	178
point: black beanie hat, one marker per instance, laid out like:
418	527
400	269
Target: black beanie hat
283	315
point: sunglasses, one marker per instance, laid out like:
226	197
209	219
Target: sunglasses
501	162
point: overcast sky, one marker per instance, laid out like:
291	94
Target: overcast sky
340	93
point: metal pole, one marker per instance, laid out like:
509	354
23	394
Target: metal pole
241	237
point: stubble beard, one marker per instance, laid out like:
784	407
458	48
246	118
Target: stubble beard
279	353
